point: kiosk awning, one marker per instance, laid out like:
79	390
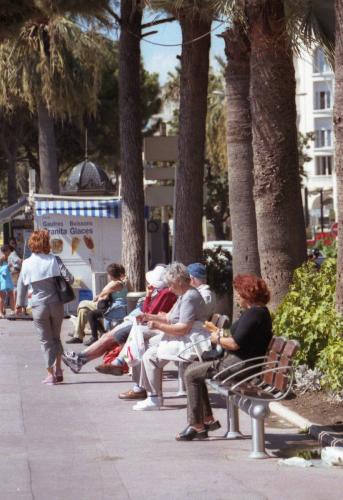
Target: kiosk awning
82	208
8	213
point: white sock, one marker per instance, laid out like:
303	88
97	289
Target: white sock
137	388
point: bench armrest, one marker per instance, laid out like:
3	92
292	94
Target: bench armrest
236	364
247	369
270	370
191	347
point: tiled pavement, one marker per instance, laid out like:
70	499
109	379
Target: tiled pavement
78	441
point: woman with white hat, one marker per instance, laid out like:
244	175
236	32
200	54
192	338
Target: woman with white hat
159	299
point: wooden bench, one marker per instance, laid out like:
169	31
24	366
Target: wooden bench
267	378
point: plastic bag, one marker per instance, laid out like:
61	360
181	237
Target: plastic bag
135	345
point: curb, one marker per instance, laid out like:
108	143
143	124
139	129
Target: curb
324	437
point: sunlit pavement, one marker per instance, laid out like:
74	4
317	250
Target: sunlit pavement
79	441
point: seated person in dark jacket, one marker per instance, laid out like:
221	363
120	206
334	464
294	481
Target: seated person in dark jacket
250	337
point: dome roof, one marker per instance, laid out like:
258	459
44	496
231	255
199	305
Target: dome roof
88	178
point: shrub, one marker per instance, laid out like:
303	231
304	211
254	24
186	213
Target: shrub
327	250
308	314
331	364
219	270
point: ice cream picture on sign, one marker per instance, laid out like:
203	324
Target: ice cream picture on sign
75	242
88	242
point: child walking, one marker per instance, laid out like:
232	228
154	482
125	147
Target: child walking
6	283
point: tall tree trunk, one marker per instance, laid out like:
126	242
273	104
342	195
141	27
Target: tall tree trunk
12	195
9	146
192	135
47	151
245	259
338	123
277	192
133	231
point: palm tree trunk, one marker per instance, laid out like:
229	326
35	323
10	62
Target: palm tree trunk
245	257
9	145
133	230
338	122
12	195
47	151
192	135
277	192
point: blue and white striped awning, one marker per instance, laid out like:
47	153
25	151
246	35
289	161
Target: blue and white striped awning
82	208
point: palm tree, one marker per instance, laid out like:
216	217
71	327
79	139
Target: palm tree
54	68
280	220
240	154
195	18
133	229
193	108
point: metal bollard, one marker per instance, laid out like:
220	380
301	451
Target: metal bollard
258	413
233	431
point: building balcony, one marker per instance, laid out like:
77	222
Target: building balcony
325	76
326	112
319	182
324	149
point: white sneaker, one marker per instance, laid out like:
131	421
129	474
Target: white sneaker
148	404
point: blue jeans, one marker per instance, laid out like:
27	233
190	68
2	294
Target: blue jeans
117	312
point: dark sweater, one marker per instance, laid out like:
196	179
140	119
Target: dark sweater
253	332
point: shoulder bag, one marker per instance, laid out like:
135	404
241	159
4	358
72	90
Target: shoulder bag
64	290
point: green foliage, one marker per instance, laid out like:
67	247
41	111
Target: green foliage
103	129
217	208
303	147
54	61
329	251
219	270
331	364
307	314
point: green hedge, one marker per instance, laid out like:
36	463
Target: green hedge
308	315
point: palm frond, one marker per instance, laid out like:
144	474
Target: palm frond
312	22
54	61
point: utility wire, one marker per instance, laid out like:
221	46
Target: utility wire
178	44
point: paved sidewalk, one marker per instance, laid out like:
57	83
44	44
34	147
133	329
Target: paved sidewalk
78	441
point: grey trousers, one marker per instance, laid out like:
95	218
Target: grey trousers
152	371
198	403
47	319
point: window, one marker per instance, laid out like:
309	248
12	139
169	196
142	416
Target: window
323	165
323	99
323	138
320	63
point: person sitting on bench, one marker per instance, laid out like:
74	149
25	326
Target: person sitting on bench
250	337
116	288
198	274
159	299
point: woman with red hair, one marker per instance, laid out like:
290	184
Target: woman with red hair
38	272
250	337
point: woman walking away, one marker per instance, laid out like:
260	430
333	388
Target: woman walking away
250	337
6	283
38	272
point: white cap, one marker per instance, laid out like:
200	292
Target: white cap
155	277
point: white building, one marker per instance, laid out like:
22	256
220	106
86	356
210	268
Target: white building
315	87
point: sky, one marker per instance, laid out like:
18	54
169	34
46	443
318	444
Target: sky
161	60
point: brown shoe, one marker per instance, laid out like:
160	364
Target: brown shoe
132	395
109	369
